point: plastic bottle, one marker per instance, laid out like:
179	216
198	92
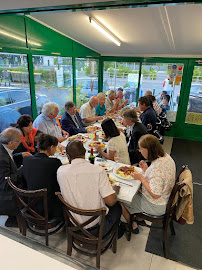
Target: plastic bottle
91	157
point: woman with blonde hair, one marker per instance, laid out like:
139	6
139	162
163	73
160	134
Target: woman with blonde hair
157	180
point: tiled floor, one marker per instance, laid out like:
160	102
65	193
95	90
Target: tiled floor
130	255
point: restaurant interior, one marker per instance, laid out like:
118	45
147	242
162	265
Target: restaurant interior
59	51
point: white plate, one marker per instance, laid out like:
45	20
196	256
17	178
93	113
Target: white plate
108	166
117	175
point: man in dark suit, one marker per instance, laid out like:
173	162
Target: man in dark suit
10	138
135	131
71	120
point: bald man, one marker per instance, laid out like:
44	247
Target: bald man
87	111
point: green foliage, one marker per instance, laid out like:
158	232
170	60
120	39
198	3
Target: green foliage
126	85
108	65
47	76
145	72
197	75
153	74
87	71
111	72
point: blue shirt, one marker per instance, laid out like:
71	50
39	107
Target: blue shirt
100	111
48	126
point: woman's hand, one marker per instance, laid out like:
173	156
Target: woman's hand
143	165
26	154
137	176
97	147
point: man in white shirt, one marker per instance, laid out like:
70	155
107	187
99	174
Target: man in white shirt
122	103
86	186
47	123
111	103
87	111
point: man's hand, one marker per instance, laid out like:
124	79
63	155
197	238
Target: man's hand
26	154
65	133
116	189
126	101
99	117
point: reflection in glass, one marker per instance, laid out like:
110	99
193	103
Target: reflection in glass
194	106
53	80
14	88
123	75
86	80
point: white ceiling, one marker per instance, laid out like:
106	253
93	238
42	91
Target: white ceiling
23	4
150	31
160	31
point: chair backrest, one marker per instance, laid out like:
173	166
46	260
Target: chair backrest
172	202
77	230
27	200
58	120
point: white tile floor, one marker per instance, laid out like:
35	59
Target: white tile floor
130	255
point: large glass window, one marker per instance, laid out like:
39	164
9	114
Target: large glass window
53	80
121	74
194	106
14	88
166	77
86	80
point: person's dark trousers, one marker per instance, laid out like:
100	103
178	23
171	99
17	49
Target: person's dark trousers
111	218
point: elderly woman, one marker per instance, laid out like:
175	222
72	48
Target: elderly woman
40	171
100	109
135	131
117	147
157	180
47	123
28	143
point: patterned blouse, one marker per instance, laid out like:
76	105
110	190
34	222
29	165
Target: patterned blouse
161	177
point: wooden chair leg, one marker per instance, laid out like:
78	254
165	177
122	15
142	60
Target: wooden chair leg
130	227
114	243
98	259
172	227
24	227
69	247
19	221
46	236
165	242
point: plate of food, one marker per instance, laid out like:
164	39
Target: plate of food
106	166
93	128
124	172
79	137
92	144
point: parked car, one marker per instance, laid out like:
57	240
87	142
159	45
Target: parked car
14	102
90	88
195	99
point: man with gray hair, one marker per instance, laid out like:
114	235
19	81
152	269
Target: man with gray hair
111	103
46	122
71	120
10	138
87	111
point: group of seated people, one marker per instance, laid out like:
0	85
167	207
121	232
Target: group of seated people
84	185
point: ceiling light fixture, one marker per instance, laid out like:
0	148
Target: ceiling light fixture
104	31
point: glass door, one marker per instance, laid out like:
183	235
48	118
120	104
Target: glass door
164	81
194	106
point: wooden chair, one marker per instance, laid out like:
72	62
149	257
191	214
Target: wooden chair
81	239
37	223
58	120
165	220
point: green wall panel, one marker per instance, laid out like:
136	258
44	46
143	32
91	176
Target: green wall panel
12	32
